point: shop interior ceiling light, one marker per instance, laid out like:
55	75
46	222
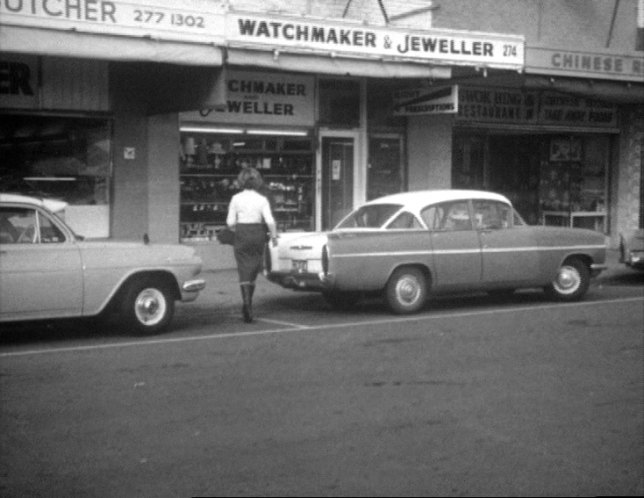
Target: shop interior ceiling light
291	133
210	129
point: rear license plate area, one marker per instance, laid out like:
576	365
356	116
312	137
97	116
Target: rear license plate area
300	266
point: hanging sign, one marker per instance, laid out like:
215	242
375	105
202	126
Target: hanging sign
264	99
426	101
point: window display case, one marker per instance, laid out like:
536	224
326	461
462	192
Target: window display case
573	183
209	167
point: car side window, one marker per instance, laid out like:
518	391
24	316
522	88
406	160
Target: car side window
456	217
492	215
405	221
27	226
49	233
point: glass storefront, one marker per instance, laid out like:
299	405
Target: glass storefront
209	166
552	179
67	158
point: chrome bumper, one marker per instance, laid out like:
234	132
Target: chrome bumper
191	288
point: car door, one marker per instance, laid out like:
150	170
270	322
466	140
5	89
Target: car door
509	254
40	266
455	245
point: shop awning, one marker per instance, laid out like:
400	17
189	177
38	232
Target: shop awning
104	47
324	64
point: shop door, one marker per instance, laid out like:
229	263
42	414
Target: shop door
337	179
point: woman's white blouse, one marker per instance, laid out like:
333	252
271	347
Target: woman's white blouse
249	206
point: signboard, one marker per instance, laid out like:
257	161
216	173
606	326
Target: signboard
183	20
416	102
584	64
337	37
204	21
497	105
513	106
19	78
568	110
253	98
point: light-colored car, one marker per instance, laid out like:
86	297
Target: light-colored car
631	247
47	271
410	245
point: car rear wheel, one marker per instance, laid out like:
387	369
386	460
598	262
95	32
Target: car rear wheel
148	306
572	281
406	291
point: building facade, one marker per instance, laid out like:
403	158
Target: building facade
141	114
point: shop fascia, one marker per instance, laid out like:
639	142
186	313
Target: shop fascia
211	22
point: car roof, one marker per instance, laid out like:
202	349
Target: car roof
53	205
421	198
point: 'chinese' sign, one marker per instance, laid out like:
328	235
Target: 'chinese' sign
585	65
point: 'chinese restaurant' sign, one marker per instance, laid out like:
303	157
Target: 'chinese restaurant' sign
209	22
512	106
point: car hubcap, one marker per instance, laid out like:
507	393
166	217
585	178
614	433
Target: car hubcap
408	290
150	307
568	280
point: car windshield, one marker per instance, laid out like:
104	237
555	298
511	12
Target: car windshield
371	216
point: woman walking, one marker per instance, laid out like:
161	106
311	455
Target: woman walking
249	214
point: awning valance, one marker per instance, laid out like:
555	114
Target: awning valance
115	48
324	64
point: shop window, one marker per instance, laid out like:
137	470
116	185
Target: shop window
60	157
573	181
385	171
468	156
339	103
210	163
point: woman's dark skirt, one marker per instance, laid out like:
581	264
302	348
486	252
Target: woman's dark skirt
250	239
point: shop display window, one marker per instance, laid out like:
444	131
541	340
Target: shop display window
67	158
210	163
573	182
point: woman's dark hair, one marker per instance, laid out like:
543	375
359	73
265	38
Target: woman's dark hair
249	178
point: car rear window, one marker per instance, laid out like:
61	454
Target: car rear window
371	216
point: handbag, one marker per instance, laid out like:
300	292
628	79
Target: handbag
226	236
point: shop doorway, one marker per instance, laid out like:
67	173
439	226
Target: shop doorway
338	166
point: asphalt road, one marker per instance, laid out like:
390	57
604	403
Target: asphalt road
474	396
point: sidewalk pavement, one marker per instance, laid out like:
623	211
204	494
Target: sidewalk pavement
222	286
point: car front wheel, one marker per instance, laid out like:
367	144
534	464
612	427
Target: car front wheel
148	307
571	283
406	291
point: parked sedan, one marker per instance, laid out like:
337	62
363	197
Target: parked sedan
47	271
631	247
411	245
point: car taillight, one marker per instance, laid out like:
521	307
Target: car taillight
325	260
